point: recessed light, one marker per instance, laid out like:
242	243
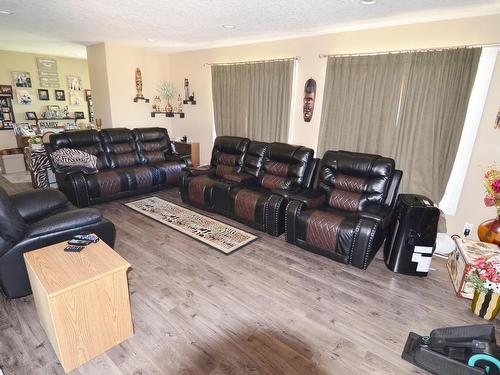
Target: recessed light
151	40
368	2
6	12
228	26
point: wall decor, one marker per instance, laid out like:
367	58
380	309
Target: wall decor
309	97
6	89
31	116
47	72
79	115
497	120
25	96
60	95
75	97
74	83
166	90
138	86
88	94
43	94
7	119
21	79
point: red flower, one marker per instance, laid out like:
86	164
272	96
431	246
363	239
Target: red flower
496	185
489	200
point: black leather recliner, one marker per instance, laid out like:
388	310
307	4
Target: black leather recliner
36	219
346	216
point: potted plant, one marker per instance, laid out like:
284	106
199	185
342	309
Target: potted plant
167	91
485	276
35	143
489	231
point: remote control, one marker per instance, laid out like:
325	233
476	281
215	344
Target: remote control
87	237
78	242
73	249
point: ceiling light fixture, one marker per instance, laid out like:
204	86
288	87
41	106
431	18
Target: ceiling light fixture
368	2
6	12
228	26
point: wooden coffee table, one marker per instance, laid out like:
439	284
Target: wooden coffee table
82	300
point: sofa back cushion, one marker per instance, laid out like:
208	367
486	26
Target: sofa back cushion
228	153
120	147
84	140
12	225
152	144
285	166
353	180
254	158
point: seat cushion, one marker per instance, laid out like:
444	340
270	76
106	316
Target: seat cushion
328	231
142	177
170	171
107	183
64	221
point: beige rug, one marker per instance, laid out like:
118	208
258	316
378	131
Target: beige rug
216	234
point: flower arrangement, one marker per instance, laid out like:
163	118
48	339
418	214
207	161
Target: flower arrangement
35	140
485	275
166	90
492	185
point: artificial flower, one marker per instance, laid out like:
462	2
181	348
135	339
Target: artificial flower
489	200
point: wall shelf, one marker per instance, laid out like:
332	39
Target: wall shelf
192	102
137	98
168	114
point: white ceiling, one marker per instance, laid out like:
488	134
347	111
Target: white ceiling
65	27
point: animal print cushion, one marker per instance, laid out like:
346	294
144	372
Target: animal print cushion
71	158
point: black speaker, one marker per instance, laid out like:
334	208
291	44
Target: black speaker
411	239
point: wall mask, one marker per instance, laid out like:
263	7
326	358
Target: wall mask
309	97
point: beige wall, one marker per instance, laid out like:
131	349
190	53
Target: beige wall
17	61
112	68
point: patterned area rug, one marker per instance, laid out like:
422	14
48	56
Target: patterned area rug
220	236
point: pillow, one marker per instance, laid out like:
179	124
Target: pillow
71	158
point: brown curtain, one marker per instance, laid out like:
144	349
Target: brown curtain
253	100
408	106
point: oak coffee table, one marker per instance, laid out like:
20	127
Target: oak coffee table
82	299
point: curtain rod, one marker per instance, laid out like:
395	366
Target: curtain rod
254	62
323	55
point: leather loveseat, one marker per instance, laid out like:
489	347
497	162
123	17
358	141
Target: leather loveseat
35	219
129	162
346	216
254	187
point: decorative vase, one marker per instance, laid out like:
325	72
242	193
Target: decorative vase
486	305
489	231
168	107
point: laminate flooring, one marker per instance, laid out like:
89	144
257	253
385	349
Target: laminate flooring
269	308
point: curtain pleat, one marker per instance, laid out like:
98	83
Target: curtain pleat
253	100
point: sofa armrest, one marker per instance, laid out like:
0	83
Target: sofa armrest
64	221
39	203
378	213
311	198
240	177
202	170
72	170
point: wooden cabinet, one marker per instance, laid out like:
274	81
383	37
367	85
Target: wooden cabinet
192	149
82	299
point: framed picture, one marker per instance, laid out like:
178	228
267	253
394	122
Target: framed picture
6	89
21	79
79	115
31	116
74	83
43	94
60	95
24	96
53	108
76	98
88	94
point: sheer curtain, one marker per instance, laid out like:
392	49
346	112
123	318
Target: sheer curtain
408	106
253	100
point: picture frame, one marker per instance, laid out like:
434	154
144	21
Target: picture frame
6	89
21	79
88	94
31	116
74	83
25	96
53	107
76	98
60	95
43	94
79	115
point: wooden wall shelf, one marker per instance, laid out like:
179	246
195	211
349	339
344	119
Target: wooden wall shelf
137	98
168	114
193	102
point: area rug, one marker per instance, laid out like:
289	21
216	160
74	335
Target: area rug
216	234
18	177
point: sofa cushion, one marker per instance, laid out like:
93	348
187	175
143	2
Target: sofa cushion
12	225
170	171
120	147
107	183
142	177
153	144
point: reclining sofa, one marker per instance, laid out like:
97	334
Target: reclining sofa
347	214
129	162
250	181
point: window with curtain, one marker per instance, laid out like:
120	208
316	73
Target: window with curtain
253	99
408	106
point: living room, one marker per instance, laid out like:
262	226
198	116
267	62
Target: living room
202	148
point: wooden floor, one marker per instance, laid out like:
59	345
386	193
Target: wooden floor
269	308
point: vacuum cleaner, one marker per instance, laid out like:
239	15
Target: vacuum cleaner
466	350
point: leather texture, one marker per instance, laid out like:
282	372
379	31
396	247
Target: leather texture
346	215
40	218
132	162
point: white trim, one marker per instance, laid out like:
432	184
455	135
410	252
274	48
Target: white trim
451	197
293	104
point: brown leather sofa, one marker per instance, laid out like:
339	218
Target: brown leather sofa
129	162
